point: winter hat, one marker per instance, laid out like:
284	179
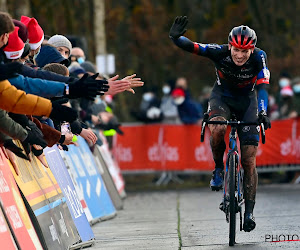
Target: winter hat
49	54
76	69
178	92
23	32
15	46
287	91
35	32
88	67
60	41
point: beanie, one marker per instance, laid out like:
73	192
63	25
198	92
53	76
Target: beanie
23	32
88	67
35	32
15	46
60	41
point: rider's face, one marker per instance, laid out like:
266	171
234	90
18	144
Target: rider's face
240	56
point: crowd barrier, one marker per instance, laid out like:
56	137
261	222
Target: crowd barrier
53	208
161	147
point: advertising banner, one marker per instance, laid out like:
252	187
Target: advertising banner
90	181
107	178
63	178
47	202
112	165
15	211
162	147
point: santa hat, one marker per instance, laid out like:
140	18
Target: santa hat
287	91
15	46
35	32
178	92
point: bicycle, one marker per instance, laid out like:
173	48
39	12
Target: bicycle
233	178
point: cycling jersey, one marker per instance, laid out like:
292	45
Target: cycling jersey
233	80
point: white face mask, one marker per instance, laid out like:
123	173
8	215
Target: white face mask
147	97
36	54
283	82
179	100
166	90
296	88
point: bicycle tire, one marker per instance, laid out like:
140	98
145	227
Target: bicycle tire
232	199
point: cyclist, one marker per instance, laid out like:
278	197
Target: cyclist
239	67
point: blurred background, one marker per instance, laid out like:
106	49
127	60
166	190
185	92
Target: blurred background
136	33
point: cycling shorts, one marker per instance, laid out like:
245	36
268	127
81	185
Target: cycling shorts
245	109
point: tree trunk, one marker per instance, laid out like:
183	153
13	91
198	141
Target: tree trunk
99	27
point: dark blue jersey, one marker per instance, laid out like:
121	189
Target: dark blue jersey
232	79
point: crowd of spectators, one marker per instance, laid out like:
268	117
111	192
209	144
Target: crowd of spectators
49	92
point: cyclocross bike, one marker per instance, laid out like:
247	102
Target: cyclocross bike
233	179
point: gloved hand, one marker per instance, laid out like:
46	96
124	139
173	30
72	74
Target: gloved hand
35	135
9	70
62	113
179	27
263	118
9	144
87	87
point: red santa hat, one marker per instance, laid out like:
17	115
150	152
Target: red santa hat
15	46
287	91
178	92
35	32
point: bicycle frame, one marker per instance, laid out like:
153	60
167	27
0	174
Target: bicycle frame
233	178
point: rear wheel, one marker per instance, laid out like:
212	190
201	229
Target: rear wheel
232	199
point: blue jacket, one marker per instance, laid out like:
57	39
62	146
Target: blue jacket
190	112
43	74
36	86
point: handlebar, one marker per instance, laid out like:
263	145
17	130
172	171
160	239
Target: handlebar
234	123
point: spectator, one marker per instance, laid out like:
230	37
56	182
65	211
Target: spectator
77	55
168	107
62	44
286	102
189	111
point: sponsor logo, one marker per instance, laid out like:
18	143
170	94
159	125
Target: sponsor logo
246	129
292	145
123	154
258	129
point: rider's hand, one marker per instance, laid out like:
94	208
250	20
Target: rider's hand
179	27
263	118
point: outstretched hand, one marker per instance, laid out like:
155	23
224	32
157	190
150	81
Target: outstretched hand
134	82
179	27
117	86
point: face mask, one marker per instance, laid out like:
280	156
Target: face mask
166	90
283	82
296	89
179	100
35	55
147	97
80	60
98	100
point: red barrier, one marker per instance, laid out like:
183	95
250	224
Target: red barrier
177	147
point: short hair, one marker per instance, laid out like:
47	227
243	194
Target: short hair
57	68
6	23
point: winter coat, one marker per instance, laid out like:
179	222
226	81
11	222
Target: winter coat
17	101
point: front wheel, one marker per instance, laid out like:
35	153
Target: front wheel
232	199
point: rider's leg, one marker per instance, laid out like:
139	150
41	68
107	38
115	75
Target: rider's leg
218	147
217	142
248	160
